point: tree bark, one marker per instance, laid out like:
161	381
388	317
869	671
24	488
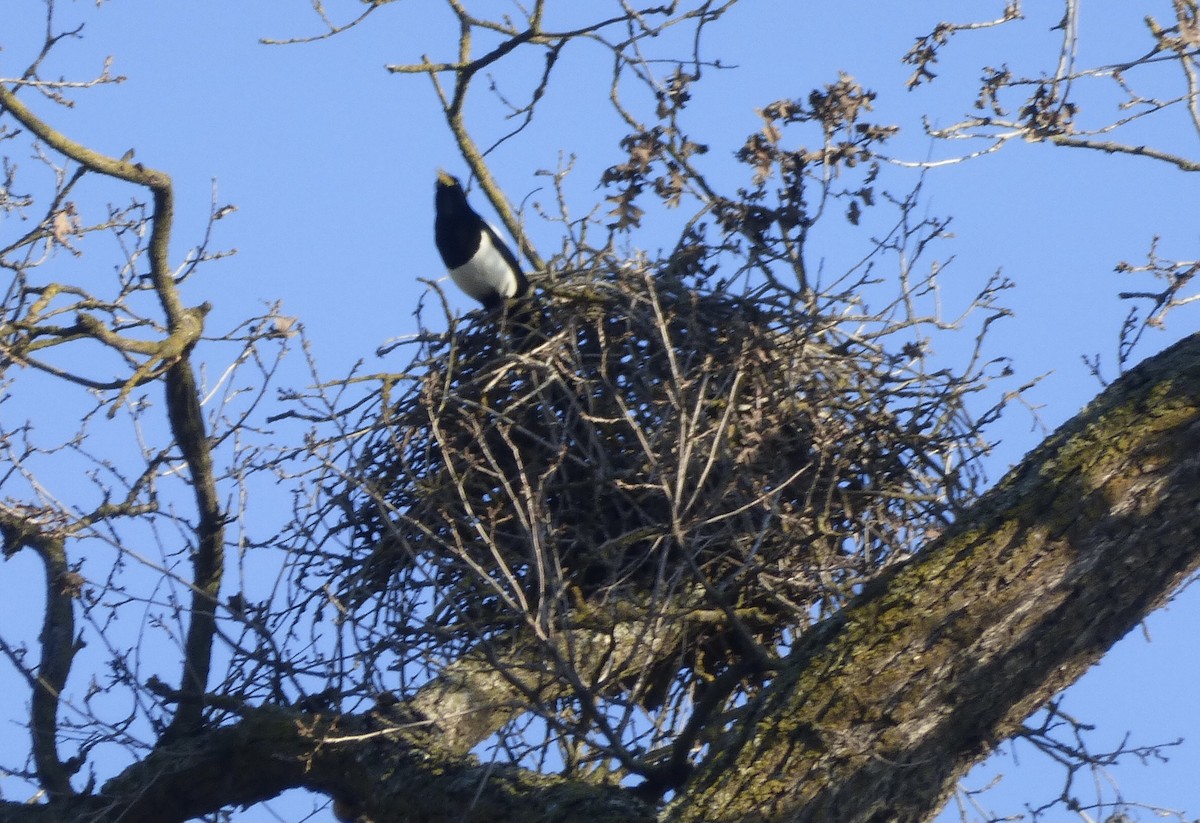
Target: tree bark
881	711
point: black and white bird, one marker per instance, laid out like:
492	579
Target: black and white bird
480	263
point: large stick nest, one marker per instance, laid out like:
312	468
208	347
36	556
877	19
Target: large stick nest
726	460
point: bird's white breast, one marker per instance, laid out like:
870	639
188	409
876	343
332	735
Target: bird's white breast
486	273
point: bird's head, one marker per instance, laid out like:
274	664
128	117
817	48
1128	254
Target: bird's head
449	197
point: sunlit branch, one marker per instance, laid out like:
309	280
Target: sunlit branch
185	327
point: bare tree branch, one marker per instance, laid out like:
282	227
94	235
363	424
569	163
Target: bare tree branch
184	328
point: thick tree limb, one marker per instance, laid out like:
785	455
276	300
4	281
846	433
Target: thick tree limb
376	766
881	711
478	693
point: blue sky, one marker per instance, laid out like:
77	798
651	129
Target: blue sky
331	160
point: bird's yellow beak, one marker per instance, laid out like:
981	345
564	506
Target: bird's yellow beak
445	178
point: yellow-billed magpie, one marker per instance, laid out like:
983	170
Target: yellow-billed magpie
480	263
